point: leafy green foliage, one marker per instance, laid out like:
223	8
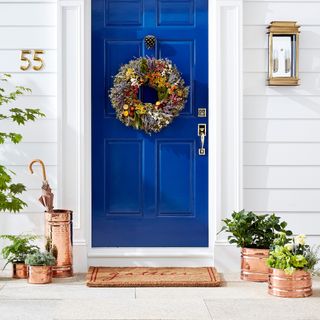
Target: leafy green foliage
40	259
9	191
253	231
19	247
290	255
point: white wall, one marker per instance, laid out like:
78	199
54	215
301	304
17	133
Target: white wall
282	124
30	25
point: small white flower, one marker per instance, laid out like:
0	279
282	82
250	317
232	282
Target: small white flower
134	82
289	246
300	239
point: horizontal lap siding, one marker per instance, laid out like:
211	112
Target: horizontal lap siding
30	25
28	223
10	61
282	124
35	37
281	130
256	60
26	14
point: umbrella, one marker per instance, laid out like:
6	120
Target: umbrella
46	198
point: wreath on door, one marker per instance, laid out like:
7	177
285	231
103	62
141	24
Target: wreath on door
159	74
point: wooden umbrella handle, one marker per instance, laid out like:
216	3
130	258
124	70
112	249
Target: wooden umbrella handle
44	175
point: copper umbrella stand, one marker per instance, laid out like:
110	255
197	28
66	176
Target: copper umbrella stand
58	228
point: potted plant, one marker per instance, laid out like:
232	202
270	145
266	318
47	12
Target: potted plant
254	234
40	267
291	263
17	251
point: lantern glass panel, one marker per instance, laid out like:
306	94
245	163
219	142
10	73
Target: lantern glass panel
283	52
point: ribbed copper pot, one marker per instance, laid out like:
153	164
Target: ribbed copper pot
297	285
40	274
59	230
253	264
19	271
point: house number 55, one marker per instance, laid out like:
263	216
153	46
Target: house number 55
27	62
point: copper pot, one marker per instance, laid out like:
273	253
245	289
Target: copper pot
297	285
59	231
19	271
253	264
40	274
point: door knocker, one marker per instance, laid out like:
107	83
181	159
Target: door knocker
150	41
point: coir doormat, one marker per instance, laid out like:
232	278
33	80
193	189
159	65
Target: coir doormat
152	277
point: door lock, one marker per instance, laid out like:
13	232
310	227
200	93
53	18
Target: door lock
202	133
202	112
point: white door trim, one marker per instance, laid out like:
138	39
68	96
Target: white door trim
225	134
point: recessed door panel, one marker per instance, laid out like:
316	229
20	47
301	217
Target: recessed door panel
115	53
182	52
123	13
175	178
123	177
175	13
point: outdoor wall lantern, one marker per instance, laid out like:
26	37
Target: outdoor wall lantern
283	53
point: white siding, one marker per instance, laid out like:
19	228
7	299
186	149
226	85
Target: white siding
30	25
282	124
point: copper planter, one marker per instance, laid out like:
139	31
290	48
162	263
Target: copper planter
59	230
19	271
253	264
40	274
297	285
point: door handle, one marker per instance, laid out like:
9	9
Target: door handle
202	133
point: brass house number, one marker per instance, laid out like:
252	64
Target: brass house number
26	62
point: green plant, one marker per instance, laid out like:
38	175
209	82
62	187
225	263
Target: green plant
9	191
52	248
40	259
251	230
294	254
19	247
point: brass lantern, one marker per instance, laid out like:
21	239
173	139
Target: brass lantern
283	53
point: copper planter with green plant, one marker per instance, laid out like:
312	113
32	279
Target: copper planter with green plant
254	234
40	267
16	252
291	263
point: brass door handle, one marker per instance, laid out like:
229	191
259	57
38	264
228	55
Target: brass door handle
202	132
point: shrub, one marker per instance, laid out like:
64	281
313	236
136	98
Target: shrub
251	230
9	191
40	259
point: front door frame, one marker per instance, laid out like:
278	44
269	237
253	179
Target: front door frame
225	137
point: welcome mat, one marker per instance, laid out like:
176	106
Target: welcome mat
152	277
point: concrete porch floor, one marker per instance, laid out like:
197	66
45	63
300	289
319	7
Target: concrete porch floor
71	299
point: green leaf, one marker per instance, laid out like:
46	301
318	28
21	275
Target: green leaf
20	246
249	229
8	190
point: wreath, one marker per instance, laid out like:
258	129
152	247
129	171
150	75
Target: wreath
159	74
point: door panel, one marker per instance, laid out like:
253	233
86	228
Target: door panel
175	178
117	168
184	49
113	60
149	190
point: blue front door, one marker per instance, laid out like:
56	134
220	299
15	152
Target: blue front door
149	191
